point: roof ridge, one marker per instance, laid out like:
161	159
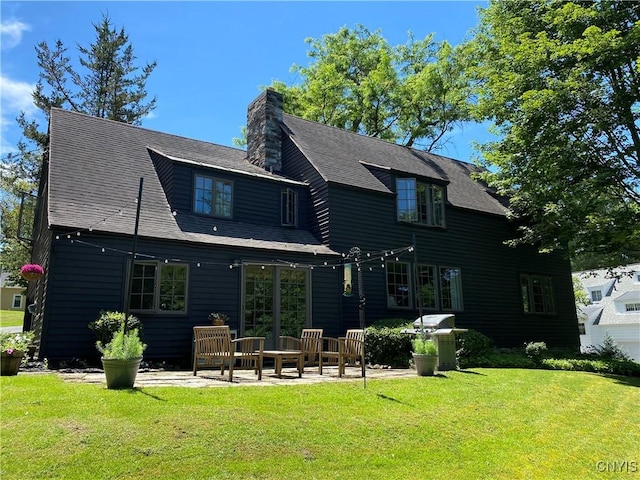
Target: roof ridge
138	127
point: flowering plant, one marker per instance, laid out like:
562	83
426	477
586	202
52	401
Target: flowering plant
31	271
17	343
218	317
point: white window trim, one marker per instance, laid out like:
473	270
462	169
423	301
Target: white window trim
13	300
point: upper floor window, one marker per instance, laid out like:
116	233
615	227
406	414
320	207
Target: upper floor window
632	307
159	287
596	295
212	196
537	294
289	208
420	202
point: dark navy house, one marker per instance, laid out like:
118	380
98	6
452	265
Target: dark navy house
277	237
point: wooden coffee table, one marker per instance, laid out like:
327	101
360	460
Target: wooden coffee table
285	356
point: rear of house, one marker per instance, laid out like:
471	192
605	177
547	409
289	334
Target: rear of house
311	227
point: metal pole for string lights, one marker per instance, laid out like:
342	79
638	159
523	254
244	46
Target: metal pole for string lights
133	257
355	253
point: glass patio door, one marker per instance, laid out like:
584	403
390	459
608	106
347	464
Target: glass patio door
276	302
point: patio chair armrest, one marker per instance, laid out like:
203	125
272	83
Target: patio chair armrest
290	343
248	344
330	344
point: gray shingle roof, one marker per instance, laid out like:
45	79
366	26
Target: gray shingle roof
342	157
94	171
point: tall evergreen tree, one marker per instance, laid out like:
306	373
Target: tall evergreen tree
108	85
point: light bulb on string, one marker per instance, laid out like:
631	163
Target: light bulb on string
198	264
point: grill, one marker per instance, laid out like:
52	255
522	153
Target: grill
442	328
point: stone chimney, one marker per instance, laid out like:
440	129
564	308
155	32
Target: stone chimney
264	134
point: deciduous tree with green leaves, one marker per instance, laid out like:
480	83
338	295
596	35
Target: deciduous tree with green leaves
105	83
560	81
411	94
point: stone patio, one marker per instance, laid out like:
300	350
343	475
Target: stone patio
241	378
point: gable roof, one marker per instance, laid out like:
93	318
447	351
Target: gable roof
345	158
622	289
94	170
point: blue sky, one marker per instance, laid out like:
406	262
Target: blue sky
212	56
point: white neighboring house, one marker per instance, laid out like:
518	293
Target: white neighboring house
614	308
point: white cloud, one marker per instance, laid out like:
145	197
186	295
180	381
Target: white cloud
11	32
15	97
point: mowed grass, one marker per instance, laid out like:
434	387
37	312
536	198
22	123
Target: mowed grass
11	318
479	424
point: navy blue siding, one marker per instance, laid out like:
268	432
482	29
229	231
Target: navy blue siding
255	200
87	280
472	241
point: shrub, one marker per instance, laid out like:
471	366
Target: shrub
616	367
609	350
393	323
496	359
109	322
535	350
387	346
472	343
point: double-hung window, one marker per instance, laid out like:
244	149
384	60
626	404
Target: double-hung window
159	287
450	288
418	202
213	196
288	208
537	294
398	285
437	287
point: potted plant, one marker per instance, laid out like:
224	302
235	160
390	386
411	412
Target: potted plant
425	355
121	357
13	347
217	318
31	272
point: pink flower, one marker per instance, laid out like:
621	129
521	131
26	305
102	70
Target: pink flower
10	351
32	268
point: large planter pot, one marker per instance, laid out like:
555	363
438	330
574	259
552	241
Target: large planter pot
425	364
10	363
121	373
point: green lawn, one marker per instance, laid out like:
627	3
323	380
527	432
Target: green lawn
483	423
11	318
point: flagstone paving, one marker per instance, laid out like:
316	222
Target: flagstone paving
212	378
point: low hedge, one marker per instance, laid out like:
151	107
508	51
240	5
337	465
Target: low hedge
615	367
387	346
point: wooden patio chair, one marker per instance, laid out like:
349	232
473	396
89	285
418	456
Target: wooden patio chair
343	351
214	348
310	342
